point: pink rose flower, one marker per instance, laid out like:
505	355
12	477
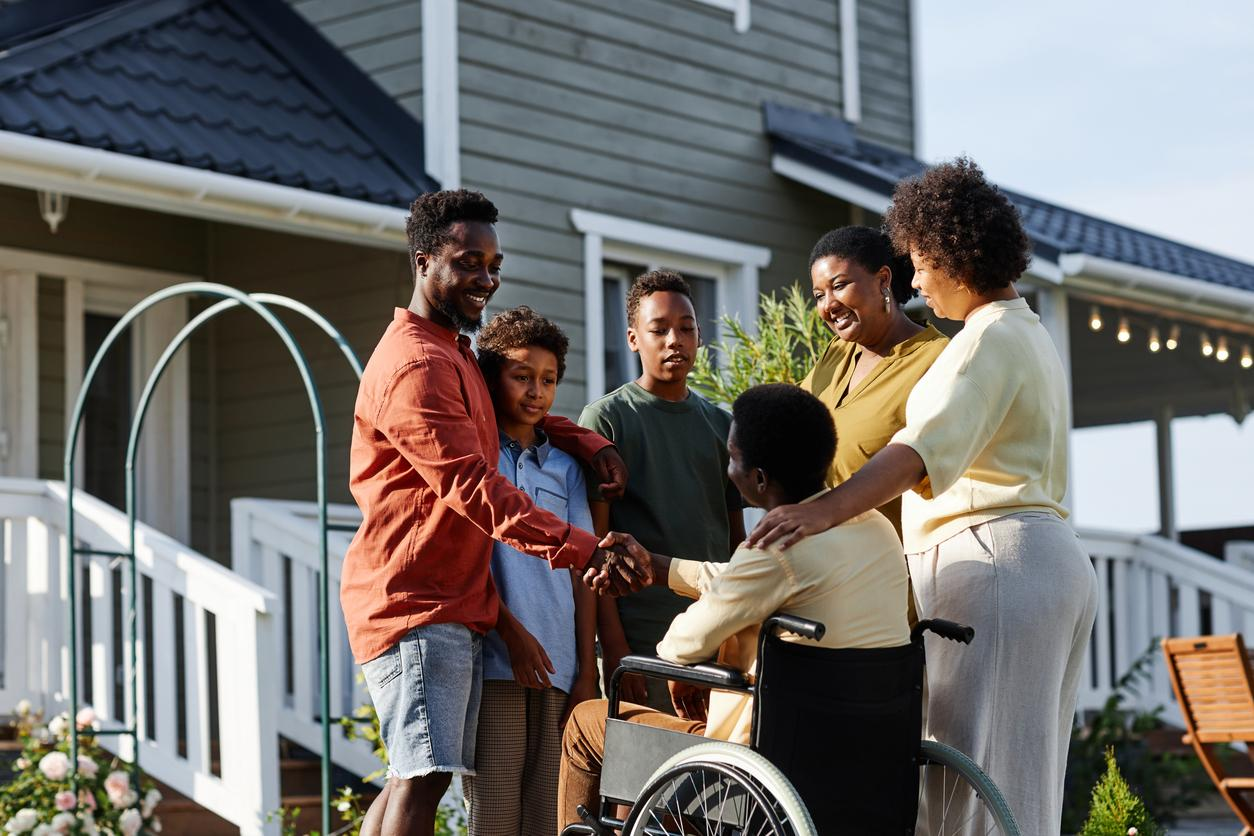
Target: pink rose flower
55	766
86	717
87	799
87	767
118	787
64	800
62	822
130	822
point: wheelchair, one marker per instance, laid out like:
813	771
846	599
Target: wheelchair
835	748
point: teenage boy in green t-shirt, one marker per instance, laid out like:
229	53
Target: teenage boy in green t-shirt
678	500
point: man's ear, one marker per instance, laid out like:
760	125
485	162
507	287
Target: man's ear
761	480
421	262
632	342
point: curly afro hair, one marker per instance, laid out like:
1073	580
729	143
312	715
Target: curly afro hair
787	432
962	224
518	328
870	249
432	214
654	281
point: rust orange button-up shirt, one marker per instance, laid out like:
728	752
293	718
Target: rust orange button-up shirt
423	471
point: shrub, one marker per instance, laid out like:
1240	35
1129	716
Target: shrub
790	339
1114	809
1168	783
40	800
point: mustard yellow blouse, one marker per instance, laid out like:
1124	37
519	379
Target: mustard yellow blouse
868	415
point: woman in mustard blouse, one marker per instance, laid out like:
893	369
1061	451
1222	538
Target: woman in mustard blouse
878	353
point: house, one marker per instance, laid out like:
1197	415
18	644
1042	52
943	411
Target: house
273	147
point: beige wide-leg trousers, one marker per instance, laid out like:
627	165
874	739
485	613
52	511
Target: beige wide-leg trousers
1008	699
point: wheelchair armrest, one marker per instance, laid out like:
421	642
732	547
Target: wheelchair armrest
704	673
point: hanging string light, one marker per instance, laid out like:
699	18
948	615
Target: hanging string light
1173	338
1123	334
1221	353
1207	347
1154	343
1247	360
1095	318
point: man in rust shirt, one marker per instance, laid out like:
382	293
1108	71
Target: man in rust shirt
416	589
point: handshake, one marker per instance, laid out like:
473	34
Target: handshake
621	565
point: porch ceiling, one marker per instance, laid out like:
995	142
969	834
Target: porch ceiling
1118	383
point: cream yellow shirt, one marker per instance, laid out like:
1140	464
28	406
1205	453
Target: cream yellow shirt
851	578
989	420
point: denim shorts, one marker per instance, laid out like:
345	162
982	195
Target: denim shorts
426	690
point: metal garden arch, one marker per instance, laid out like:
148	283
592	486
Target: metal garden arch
230	298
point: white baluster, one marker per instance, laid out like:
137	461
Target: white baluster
1101	639
1190	613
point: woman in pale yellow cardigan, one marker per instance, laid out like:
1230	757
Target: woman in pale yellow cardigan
985	449
877	354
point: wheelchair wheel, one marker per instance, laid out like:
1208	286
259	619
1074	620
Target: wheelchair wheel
956	797
718	789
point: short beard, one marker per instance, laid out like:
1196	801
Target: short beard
460	321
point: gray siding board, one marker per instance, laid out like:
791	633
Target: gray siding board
601	153
884	67
815	11
533	104
712	80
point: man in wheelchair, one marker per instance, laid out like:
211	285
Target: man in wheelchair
851	578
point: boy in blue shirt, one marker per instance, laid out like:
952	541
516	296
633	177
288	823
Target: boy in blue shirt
540	662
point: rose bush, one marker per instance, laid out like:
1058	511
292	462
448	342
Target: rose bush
40	800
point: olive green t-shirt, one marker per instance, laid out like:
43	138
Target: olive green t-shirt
677	491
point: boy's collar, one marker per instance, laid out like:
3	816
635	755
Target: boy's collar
541	445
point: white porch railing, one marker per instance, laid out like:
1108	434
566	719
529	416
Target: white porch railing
1150	587
202	630
274	543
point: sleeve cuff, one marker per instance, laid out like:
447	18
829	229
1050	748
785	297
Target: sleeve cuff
684	577
907	439
576	551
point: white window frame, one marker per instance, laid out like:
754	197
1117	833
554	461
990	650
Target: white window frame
738	8
733	264
850	74
164	477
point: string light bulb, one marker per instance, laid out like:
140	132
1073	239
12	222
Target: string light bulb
1154	342
1207	348
1124	334
1221	353
1173	338
1247	360
1095	318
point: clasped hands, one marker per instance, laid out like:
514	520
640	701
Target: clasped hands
620	565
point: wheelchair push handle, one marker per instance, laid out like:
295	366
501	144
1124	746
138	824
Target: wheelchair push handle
803	627
951	630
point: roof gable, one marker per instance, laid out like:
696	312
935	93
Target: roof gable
827	143
240	87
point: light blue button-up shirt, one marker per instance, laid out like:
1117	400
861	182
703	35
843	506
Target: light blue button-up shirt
538	596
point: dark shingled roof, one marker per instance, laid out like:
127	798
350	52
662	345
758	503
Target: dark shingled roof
829	144
240	87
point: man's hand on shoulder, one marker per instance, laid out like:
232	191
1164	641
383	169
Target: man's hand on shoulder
612	471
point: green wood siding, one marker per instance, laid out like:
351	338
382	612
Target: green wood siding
51	307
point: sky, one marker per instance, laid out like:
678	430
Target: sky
1140	112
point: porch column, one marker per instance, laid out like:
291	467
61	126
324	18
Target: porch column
19	375
1166	478
1051	307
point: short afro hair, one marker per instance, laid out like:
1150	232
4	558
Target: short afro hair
870	249
962	224
788	433
432	214
654	281
518	328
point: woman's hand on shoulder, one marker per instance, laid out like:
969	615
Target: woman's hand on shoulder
784	525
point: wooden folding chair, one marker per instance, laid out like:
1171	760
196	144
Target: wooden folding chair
1213	684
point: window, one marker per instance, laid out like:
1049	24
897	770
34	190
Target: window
723	276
